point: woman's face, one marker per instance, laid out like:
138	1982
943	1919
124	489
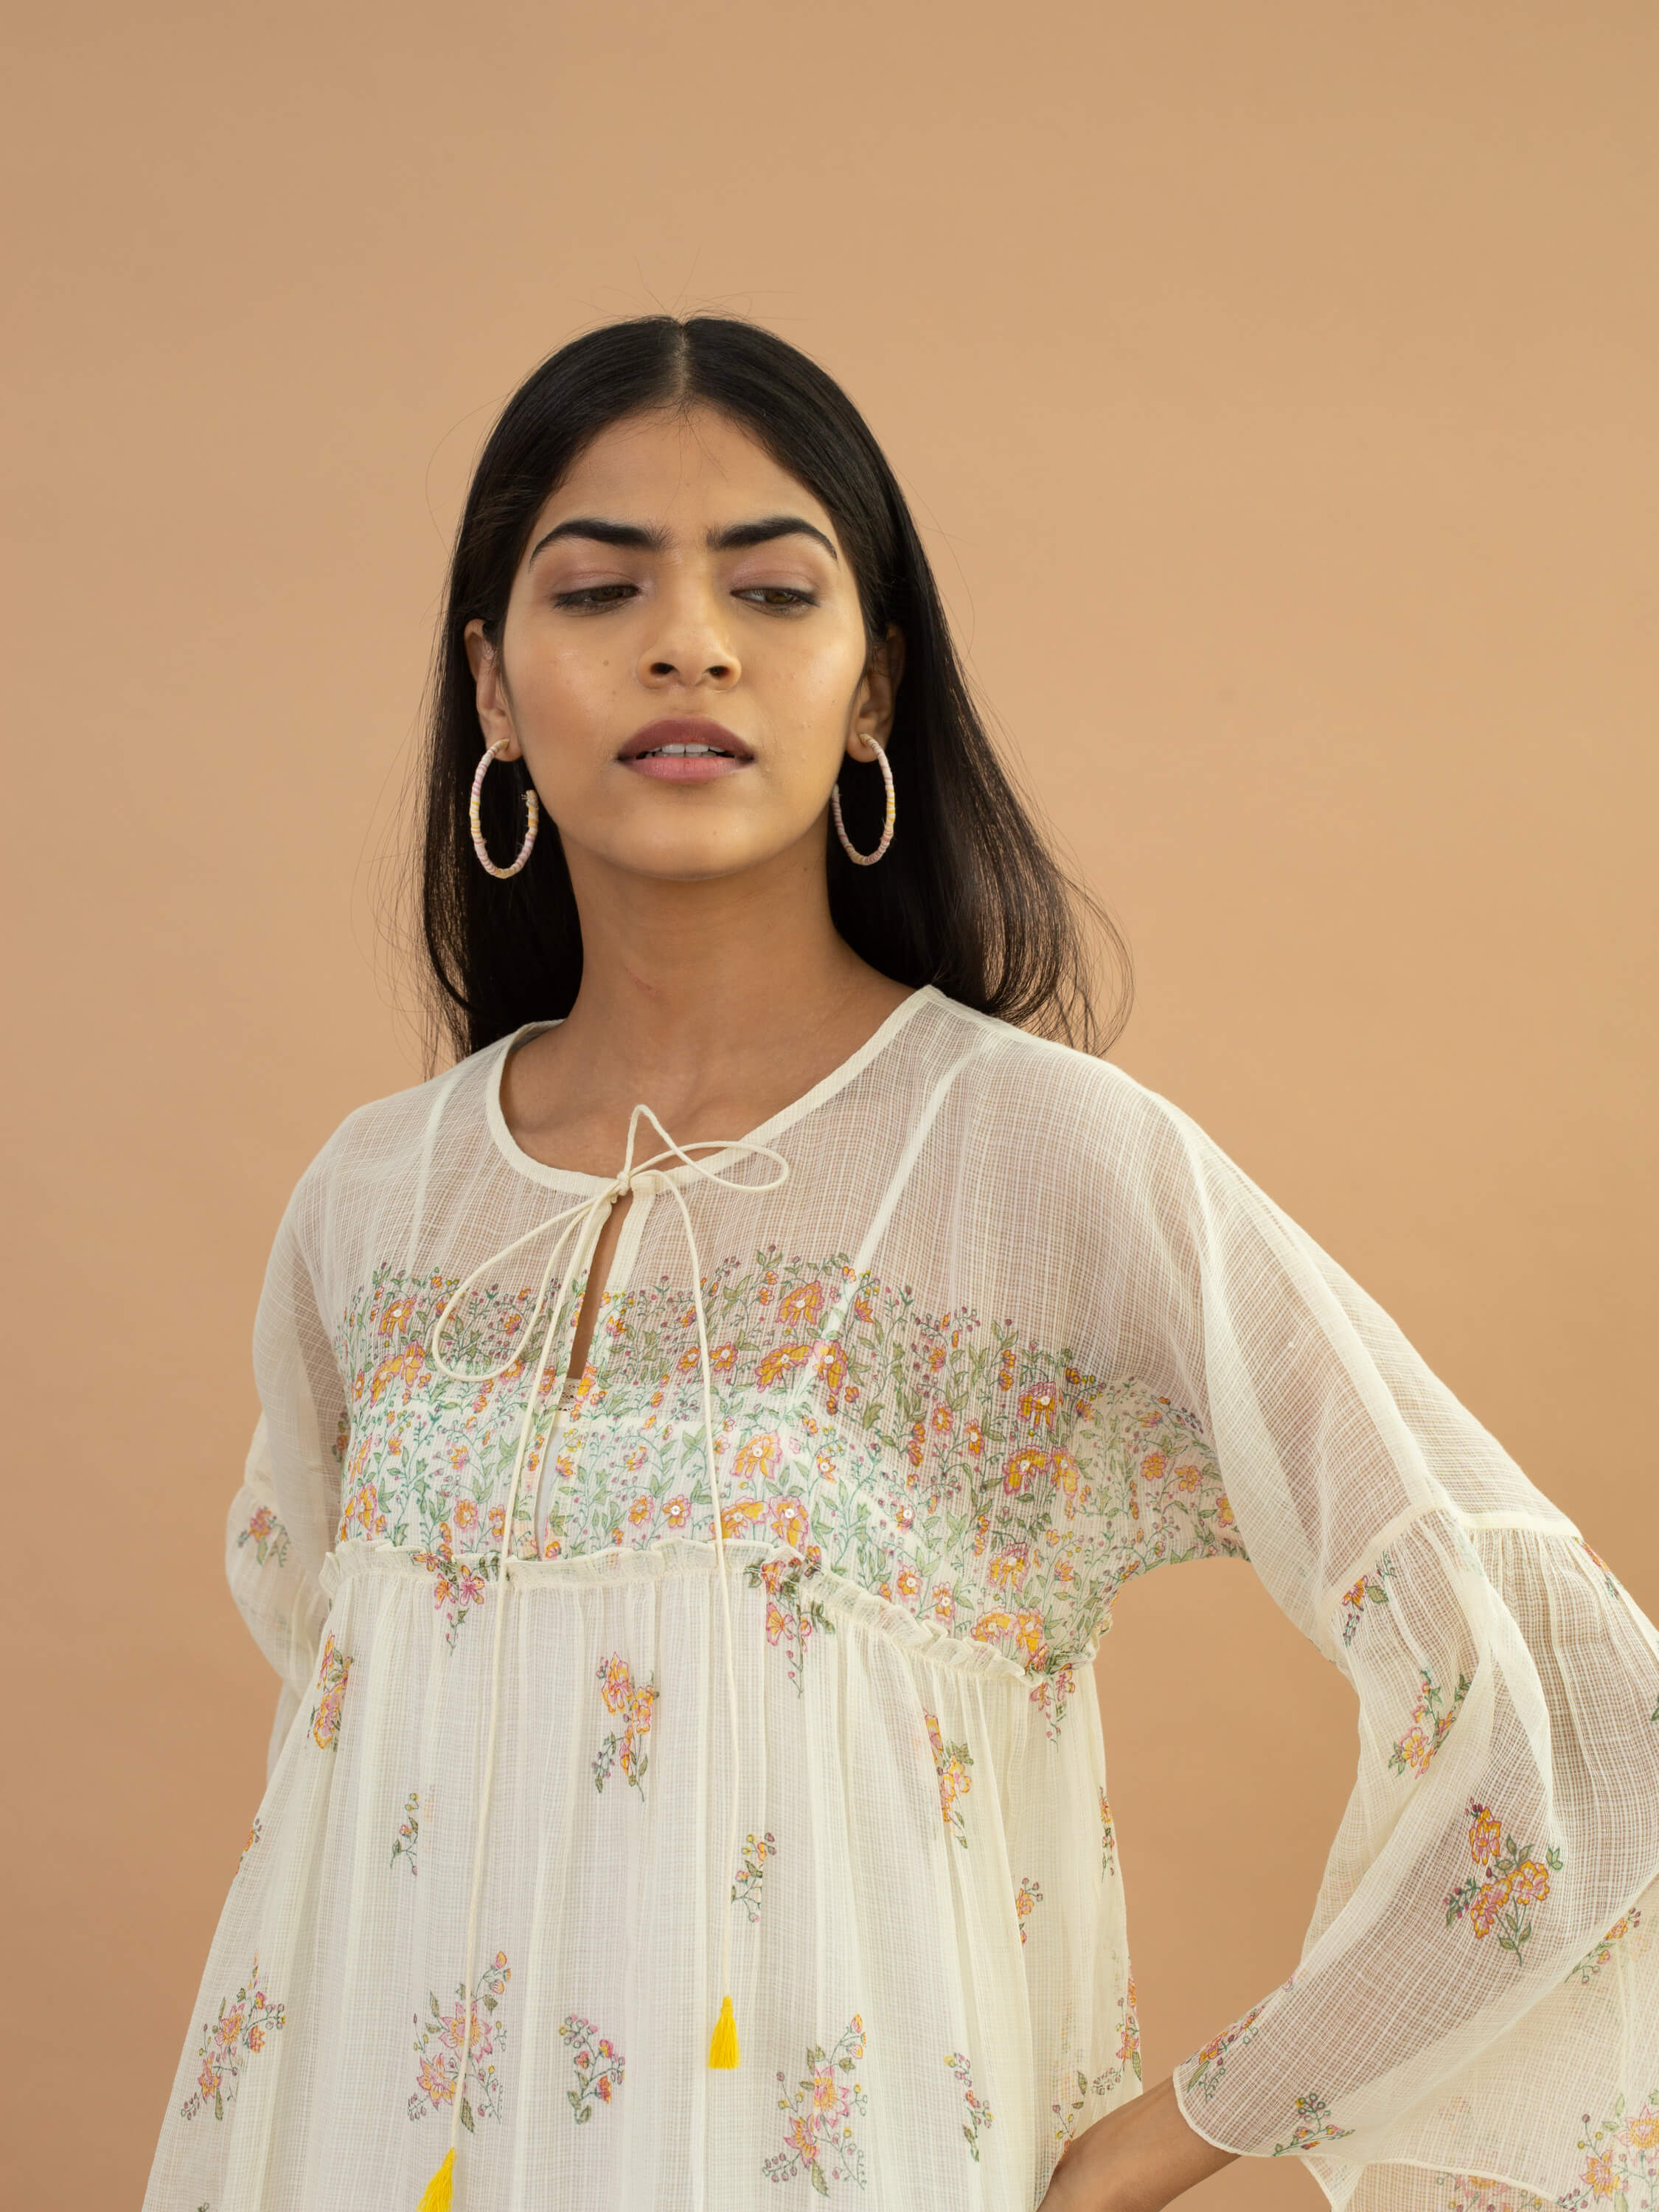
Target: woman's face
679	589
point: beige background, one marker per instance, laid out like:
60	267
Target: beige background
1275	386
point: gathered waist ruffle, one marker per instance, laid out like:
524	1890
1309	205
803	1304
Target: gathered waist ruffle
676	1558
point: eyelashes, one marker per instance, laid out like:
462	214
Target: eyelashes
771	599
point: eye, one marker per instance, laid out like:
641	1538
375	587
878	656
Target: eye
592	597
782	598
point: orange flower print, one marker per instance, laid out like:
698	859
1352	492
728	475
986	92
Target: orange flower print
237	2033
457	1585
819	2112
829	1366
464	1515
330	1696
756	1457
973	1438
907	1584
1068	2108
1027	1897
942	1420
1052	1695
944	1607
597	2065
1008	1566
776	1364
804	1303
1006	1367
642	1509
405	1367
1496	1899
1314	2124
258	1828
1108	1836
789	1522
991	1628
952	1762
462	2046
397	1314
1128	2041
1040	1404
1431	1718
631	1704
1372	1589
677	1511
1020	1469
268	1536
1621	2160
1068	1477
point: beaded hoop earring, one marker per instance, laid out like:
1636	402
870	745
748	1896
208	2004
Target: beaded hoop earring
867	859
533	814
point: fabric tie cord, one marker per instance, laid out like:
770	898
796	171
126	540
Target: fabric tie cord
579	1227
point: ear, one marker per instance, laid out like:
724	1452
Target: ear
877	697
495	709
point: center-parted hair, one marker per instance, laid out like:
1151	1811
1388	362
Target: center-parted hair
969	897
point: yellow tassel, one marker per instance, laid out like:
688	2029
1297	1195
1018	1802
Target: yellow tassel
439	2193
722	2043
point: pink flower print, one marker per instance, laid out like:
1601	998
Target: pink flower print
677	1511
751	1872
1067	1477
819	2112
1496	1899
332	1674
943	1419
979	2114
597	2067
465	1515
776	1364
756	1457
237	2033
631	1704
1021	1468
1431	1718
1108	1837
442	2061
791	1617
1040	1403
267	1535
907	1583
973	1437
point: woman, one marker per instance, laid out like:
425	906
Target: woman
687	1786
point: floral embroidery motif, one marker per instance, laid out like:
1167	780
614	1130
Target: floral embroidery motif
979	2114
1068	2108
624	1747
1027	1897
1472	2192
1431	1718
817	2134
751	1872
1107	1837
1621	2163
1051	1696
331	1690
457	1584
1314	2126
598	2065
253	1836
1210	2064
789	1621
981	1481
952	1762
267	1535
1510	1880
405	1845
1594	1960
237	2034
438	2045
1370	1590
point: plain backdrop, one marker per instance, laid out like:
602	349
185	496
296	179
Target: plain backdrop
1274	385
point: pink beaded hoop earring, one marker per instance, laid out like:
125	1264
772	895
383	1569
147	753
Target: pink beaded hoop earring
533	814
867	859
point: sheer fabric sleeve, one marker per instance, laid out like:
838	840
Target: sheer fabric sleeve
1476	1979
282	1521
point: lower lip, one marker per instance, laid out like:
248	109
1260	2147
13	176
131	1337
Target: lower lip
685	768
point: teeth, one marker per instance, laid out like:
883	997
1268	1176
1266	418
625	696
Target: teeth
683	752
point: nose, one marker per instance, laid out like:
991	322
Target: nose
688	647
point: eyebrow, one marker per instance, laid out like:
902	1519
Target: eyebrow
648	539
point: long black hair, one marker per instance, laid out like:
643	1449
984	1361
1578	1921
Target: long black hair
969	896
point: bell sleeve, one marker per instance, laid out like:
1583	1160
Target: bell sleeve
282	1520
1473	2023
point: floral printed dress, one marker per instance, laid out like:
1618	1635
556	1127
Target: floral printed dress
1011	1331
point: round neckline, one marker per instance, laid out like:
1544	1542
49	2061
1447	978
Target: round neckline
578	1179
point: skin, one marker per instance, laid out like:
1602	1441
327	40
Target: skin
715	986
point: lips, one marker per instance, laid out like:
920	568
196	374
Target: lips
684	749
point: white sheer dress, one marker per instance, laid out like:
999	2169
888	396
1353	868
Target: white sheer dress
972	1333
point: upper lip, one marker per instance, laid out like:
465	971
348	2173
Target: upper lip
685	730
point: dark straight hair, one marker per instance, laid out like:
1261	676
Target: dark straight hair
968	896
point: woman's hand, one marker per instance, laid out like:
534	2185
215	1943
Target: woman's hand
1137	2158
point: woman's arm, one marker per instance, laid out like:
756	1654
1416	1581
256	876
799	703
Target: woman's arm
1137	2158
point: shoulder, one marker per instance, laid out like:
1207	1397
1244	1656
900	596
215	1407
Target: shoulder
384	1145
1037	1091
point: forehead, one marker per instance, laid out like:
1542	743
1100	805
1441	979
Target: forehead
687	468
